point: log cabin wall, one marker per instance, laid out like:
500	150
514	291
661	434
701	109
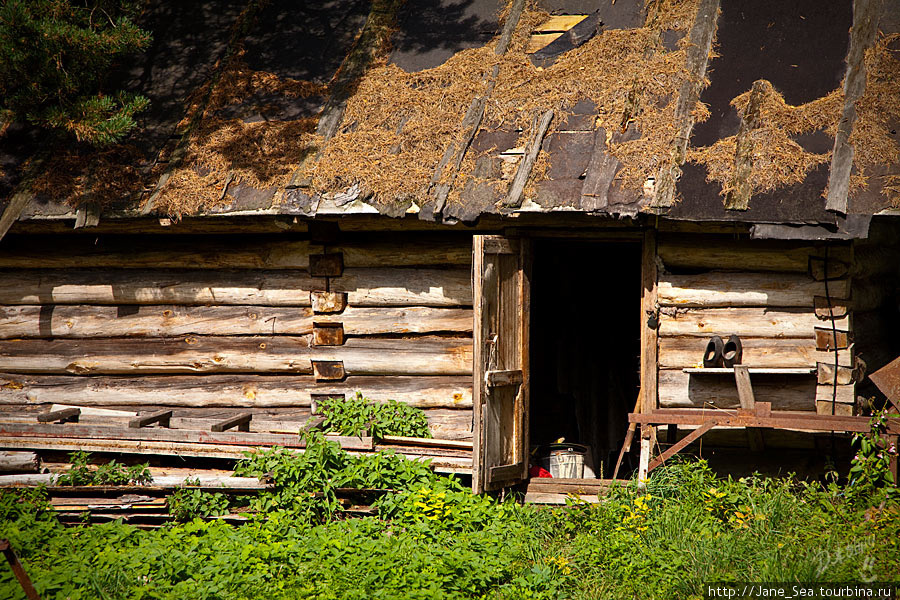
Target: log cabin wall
253	321
775	297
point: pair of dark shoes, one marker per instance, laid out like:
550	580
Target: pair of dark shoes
723	354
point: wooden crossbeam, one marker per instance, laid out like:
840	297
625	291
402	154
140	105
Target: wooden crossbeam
241	421
774	420
18	570
680	445
161	416
60	416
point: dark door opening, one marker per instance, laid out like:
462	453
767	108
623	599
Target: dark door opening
585	346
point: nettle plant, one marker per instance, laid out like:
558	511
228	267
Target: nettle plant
111	473
359	416
870	468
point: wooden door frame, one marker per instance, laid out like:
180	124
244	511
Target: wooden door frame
649	315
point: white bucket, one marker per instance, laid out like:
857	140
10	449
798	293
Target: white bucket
566	461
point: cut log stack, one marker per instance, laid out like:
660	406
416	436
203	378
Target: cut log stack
787	302
249	322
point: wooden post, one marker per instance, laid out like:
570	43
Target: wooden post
748	402
649	347
18	570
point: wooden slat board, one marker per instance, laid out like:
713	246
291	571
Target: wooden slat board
744	322
364	287
255	253
239	390
681	352
722	289
85	321
278	354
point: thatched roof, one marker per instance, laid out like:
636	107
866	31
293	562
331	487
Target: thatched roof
424	107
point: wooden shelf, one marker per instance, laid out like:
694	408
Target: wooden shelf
753	371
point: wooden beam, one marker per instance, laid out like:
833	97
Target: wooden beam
123	252
741	182
682	390
274	354
170	320
683	251
328	302
694	80
246	391
687	351
241	421
523	171
326	265
748	402
649	333
13	210
19	462
802	421
17	569
501	378
680	445
862	35
20	430
731	290
363	287
744	322
59	416
163	417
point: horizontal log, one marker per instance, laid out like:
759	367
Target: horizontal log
19	462
244	391
399	287
440	464
689	252
280	354
86	321
20	430
250	252
162	482
687	351
723	289
744	322
364	287
785	392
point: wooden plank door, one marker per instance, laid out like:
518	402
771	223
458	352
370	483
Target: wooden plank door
501	273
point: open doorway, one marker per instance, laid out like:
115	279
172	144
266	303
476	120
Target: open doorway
585	346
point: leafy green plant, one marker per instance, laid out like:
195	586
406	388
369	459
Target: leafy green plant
870	471
111	473
359	415
189	502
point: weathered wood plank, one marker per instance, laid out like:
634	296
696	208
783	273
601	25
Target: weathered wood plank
86	321
682	352
393	287
677	251
845	394
246	391
649	334
123	252
361	356
364	287
722	289
681	390
744	322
